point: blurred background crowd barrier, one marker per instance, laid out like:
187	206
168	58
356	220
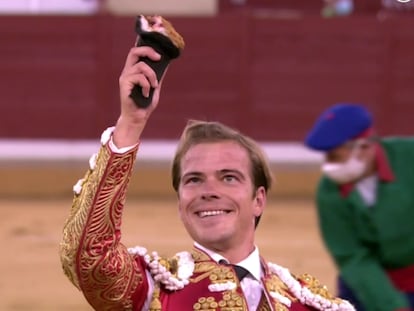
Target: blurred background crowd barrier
265	67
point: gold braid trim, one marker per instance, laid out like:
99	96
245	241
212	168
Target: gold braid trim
92	256
318	288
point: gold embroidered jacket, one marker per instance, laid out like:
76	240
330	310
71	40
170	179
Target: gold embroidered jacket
112	278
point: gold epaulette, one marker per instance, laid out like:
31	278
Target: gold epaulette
304	289
321	290
315	286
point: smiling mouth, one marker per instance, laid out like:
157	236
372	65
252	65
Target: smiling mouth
211	213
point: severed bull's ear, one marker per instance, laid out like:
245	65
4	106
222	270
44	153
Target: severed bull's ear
158	24
165	40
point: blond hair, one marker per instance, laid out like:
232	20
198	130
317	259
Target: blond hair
197	132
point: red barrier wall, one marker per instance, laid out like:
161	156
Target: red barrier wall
269	77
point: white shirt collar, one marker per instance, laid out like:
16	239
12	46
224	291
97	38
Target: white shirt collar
367	188
251	263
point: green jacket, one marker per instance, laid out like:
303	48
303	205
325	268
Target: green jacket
365	241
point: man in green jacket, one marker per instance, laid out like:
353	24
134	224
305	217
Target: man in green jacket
365	204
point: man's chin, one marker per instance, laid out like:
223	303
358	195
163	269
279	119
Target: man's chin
213	242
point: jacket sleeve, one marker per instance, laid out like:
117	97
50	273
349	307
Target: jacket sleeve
357	264
91	254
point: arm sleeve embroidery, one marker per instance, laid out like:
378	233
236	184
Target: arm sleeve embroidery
92	256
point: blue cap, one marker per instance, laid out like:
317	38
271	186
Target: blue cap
338	124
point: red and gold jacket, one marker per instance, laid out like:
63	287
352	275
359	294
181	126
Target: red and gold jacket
113	277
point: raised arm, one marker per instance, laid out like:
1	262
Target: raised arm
91	253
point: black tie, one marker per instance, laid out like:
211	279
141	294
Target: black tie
240	271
